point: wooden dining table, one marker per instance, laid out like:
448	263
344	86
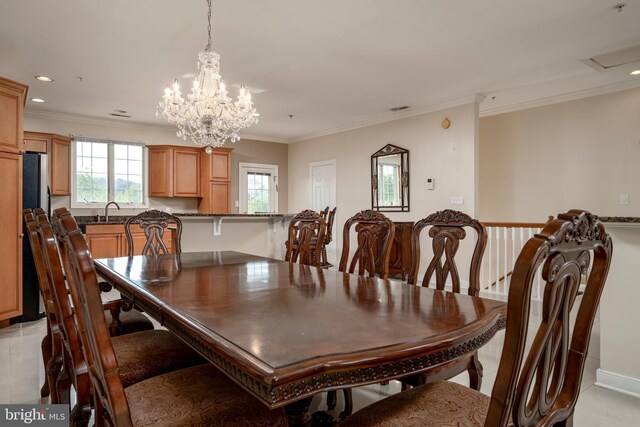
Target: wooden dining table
286	332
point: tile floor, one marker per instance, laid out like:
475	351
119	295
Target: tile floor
21	376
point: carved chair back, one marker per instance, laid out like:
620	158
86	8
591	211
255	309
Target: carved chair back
328	237
447	229
71	327
154	223
371	227
51	355
543	388
305	229
110	400
324	212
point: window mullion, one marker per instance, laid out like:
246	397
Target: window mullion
110	174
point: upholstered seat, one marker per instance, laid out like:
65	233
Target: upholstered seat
146	354
130	321
437	404
197	396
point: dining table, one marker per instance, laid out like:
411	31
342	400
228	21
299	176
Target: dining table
286	332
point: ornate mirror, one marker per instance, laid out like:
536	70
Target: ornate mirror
390	179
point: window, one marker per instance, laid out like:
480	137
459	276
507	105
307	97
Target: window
108	170
258	188
388	189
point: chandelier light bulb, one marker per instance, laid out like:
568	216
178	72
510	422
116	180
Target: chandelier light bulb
206	116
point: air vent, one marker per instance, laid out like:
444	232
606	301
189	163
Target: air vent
126	116
614	59
404	107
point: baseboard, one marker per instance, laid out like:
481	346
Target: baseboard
617	382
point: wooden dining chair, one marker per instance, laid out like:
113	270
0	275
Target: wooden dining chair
328	237
155	224
305	230
447	229
372	229
141	355
535	388
323	213
196	396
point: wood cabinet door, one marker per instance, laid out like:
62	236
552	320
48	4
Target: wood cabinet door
104	245
219	194
12	97
60	166
217	165
36	142
186	173
11	232
160	172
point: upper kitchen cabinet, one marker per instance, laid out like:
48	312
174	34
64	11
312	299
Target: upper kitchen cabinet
215	181
12	99
59	149
174	171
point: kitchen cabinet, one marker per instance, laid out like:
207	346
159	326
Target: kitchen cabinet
12	100
174	171
110	240
215	181
58	148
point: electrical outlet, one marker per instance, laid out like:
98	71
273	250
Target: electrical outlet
237	204
457	201
624	199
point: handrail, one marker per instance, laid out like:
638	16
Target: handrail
516	224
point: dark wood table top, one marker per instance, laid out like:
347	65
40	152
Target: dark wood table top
286	331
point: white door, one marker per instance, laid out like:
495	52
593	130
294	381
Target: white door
323	194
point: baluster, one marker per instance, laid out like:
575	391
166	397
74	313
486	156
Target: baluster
497	259
490	237
505	261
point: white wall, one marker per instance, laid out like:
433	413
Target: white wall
577	154
448	155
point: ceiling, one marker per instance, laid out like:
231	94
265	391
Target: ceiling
332	64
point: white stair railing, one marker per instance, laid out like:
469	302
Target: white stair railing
504	242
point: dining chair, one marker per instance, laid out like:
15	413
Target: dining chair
446	230
154	223
141	355
541	386
195	396
305	230
374	236
328	237
323	213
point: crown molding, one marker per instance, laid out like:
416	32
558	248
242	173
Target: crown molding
75	118
555	99
477	98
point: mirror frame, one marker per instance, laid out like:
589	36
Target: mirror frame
388	150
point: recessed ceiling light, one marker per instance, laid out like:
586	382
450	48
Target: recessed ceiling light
37	100
44	79
634	73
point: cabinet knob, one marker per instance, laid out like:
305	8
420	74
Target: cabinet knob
20	236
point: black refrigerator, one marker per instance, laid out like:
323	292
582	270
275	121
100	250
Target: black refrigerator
35	194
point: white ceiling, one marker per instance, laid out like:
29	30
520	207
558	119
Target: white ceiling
333	64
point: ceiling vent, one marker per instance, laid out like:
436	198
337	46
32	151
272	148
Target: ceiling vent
614	59
404	107
126	116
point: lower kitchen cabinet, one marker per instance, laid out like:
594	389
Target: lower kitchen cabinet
110	240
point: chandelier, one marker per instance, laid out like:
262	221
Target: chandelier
208	116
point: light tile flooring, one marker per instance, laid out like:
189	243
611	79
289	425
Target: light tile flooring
21	376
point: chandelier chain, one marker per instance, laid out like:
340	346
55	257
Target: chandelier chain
208	48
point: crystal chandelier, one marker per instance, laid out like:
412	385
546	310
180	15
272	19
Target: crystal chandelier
209	117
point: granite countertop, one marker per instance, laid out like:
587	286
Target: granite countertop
621	219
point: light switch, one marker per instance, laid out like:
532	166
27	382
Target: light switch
624	199
457	201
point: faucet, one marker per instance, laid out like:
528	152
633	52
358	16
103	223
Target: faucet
106	210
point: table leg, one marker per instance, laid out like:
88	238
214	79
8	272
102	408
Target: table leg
298	412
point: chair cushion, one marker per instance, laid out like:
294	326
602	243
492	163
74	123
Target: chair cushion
143	355
197	396
132	321
437	404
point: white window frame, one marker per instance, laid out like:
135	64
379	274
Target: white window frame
243	168
110	175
